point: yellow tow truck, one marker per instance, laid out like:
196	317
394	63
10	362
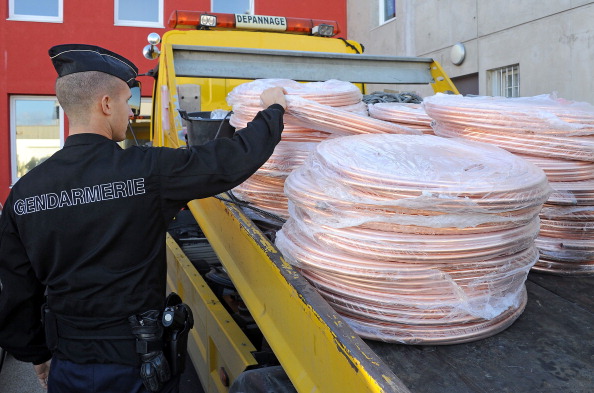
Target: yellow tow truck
272	315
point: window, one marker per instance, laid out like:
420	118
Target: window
139	13
35	10
505	81
387	10
233	6
36	130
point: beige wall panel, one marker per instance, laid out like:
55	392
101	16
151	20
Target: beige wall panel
552	40
359	19
554	55
579	68
577	3
497	15
389	38
439	24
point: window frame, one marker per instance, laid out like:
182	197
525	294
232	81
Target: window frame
13	136
138	23
495	81
35	18
381	12
252	6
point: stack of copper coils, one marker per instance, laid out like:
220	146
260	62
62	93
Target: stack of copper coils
415	239
407	114
316	111
558	136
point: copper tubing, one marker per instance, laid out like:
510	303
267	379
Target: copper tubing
565	256
567	213
569	148
555	134
540	115
308	253
339	122
415	238
418	178
567	229
332	92
448	334
316	111
409	115
584	268
265	187
572	193
559	170
539	126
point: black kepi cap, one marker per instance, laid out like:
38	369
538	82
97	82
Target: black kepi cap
72	58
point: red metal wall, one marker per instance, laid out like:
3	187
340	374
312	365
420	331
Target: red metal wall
25	68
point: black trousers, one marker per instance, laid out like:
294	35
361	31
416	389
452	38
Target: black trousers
68	377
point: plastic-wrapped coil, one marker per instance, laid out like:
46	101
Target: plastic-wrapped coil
566	239
332	92
316	111
555	134
559	170
409	115
415	239
265	187
539	115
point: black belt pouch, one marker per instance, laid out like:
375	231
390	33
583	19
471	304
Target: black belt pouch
51	328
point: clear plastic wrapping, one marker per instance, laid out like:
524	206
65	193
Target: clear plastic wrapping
332	92
339	122
541	125
415	239
406	114
316	111
553	133
434	180
265	187
559	170
539	115
566	238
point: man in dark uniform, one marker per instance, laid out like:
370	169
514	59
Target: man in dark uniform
87	228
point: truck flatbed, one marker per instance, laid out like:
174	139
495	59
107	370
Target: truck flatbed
550	348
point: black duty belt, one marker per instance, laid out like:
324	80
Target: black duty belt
56	328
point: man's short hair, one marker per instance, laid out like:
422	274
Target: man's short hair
78	92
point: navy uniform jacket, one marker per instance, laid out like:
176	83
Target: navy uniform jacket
89	225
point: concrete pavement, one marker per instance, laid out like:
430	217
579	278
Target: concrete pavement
18	377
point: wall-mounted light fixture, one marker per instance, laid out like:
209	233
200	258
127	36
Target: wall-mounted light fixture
458	53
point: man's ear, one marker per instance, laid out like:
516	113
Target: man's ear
106	105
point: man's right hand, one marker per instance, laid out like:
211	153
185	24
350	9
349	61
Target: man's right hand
273	95
42	372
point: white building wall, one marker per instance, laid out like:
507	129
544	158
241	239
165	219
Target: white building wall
551	40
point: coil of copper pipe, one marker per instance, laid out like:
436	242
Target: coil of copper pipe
316	111
584	268
449	334
409	115
357	207
554	134
528	115
331	92
569	148
558	170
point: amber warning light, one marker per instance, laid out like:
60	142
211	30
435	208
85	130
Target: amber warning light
214	20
